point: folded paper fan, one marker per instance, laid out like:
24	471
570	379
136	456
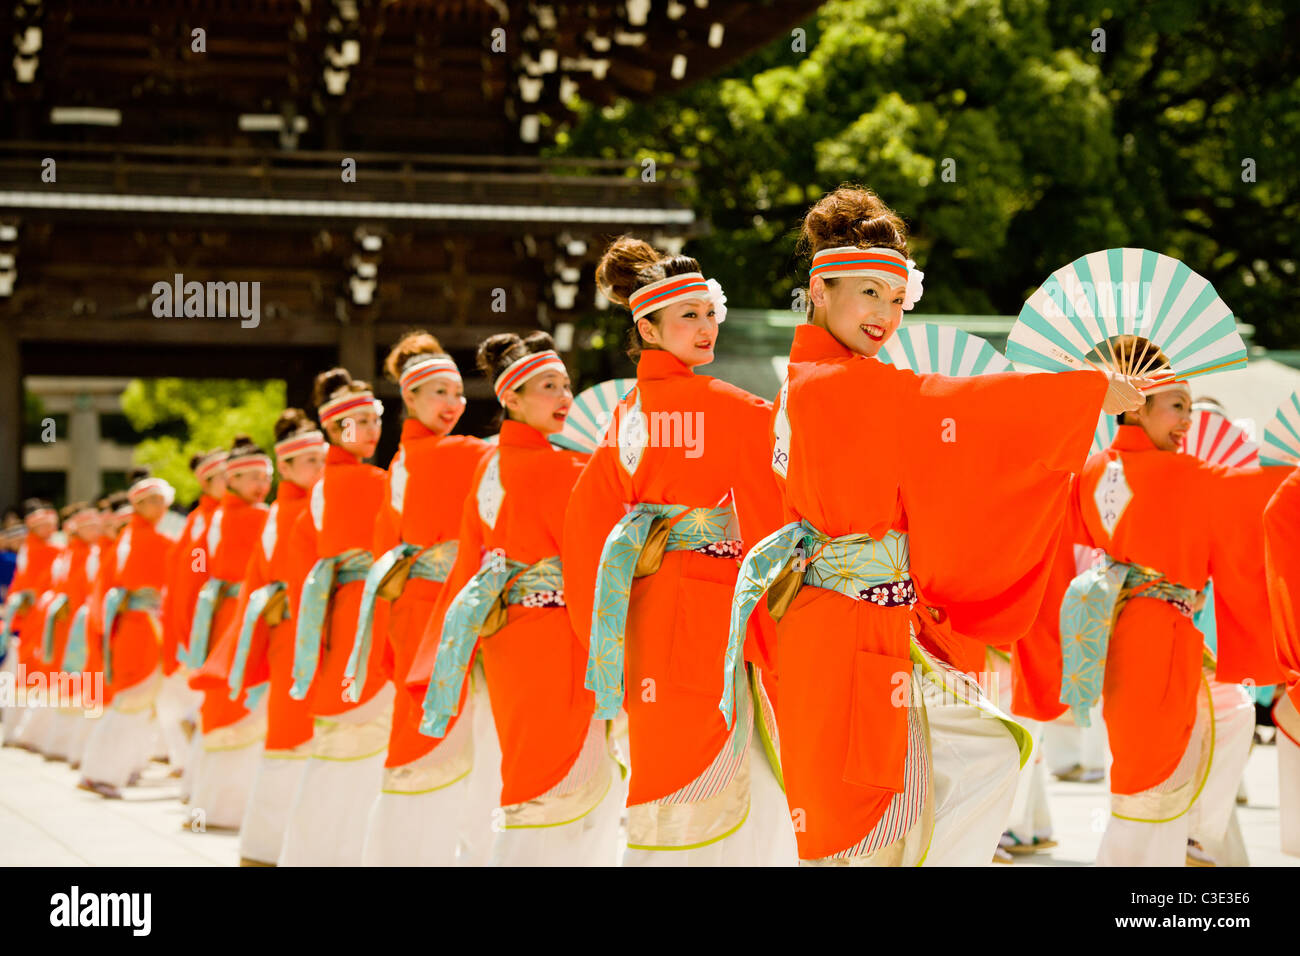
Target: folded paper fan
1105	433
1282	435
1095	312
944	349
1214	439
590	413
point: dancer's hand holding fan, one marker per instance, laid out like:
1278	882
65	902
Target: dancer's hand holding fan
1146	319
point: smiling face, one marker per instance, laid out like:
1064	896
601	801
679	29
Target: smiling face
542	403
862	312
688	329
437	404
251	484
214	486
357	432
1165	418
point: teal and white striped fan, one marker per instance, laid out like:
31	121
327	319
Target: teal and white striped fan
944	349
1281	444
590	414
1084	312
1105	433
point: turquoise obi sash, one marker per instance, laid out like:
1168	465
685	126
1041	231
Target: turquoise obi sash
464	620
57	604
689	529
325	574
856	565
116	601
212	593
257	602
431	564
1088	612
15	604
75	651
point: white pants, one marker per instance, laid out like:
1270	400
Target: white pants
1209	821
10	717
766	838
177	702
1031	814
79	726
1288	785
279	774
418	822
1065	745
591	840
327	823
478	823
34	729
121	743
225	776
976	767
193	764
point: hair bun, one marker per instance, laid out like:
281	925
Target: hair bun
618	274
411	346
292	420
851	216
329	382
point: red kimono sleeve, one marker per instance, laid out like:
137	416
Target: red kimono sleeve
985	484
1282	563
597	504
1235	500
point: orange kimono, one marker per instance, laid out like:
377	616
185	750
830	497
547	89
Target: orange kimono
706	445
339	522
134	637
534	663
106	552
1190	521
80	564
1036	657
36	617
429	480
232	539
32	578
183	580
959	502
1282	560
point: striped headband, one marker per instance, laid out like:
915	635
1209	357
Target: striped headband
1171	386
847	261
530	366
436	366
664	292
297	444
152	486
210	465
349	402
80	518
248	462
40	516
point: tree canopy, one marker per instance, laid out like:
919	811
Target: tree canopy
1012	135
212	412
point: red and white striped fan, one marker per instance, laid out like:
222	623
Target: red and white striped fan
1215	440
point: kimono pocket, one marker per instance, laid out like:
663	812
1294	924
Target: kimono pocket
878	721
699	637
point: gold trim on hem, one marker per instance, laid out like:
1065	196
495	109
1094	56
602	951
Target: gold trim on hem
344	741
242	734
544	811
687	826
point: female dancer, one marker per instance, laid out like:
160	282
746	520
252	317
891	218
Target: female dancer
421	808
558	801
42	581
71	579
31	579
232	730
122	742
262	652
1130	617
187	569
700	795
329	556
879	463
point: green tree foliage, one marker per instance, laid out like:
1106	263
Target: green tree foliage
1009	144
212	412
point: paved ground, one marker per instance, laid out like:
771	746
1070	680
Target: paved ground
46	821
